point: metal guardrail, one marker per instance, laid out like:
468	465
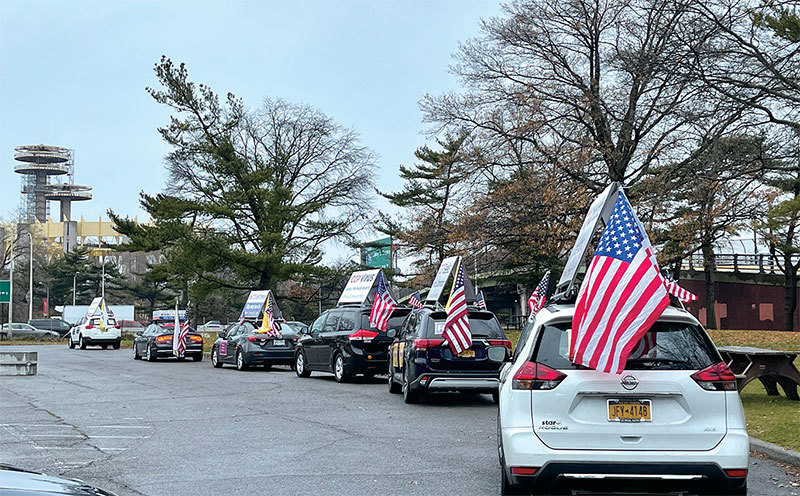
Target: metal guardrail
19	362
739	262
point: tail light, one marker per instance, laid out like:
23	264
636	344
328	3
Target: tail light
524	470
163	339
736	472
717	377
500	342
256	339
364	335
116	326
196	339
89	326
424	344
535	376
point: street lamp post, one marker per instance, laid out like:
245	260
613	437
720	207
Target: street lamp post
103	281
73	287
11	284
30	282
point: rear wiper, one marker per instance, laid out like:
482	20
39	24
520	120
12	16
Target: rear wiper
655	360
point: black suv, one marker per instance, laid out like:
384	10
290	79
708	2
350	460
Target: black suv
342	342
55	325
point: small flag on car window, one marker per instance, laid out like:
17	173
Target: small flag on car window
415	301
382	307
480	301
456	327
539	296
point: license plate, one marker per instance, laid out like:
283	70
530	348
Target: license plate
466	354
279	342
630	411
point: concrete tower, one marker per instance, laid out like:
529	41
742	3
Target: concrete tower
37	164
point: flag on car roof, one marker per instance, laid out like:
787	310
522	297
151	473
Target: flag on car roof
456	327
678	292
415	300
539	296
621	296
382	306
480	301
268	322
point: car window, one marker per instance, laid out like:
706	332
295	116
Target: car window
316	327
410	325
246	328
347	321
332	322
523	336
666	346
395	321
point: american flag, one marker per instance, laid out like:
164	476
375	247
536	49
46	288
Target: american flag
539	296
382	307
480	301
269	318
179	332
678	292
456	327
621	297
415	301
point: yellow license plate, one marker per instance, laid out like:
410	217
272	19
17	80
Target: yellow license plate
630	411
466	354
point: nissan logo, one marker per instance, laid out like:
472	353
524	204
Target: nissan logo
629	382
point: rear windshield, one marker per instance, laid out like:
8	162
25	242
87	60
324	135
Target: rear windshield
395	321
666	346
481	325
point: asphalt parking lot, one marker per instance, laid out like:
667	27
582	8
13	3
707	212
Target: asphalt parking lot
170	428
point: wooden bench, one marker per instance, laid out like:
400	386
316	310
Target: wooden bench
771	367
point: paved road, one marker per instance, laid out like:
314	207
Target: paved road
170	428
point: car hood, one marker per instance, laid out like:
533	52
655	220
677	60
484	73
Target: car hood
16	481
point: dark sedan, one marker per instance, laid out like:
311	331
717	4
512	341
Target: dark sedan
15	481
244	346
156	342
422	361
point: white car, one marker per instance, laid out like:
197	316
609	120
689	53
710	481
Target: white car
673	419
211	326
89	332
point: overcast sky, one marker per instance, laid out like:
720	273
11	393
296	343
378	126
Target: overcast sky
73	74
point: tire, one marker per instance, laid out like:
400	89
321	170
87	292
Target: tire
496	397
136	353
149	355
240	362
198	357
394	388
215	361
338	369
81	343
409	396
104	346
267	366
300	365
70	343
116	345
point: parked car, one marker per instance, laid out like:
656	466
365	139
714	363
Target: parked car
130	326
59	326
89	332
422	362
19	330
243	347
155	342
211	326
342	342
15	481
673	418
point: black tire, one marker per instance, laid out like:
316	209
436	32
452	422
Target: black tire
394	388
496	397
104	346
150	355
116	345
339	372
70	343
215	361
81	343
198	357
136	353
241	364
409	396
300	367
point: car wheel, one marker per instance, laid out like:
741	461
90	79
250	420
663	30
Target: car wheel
240	363
116	345
496	397
136	353
409	396
394	388
198	357
81	343
215	361
150	355
70	343
104	346
300	365
338	369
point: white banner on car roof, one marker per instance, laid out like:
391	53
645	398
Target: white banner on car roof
94	306
359	286
255	304
441	278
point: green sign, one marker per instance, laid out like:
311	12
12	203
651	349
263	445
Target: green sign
377	254
5	291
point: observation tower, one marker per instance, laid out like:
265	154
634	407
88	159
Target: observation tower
37	164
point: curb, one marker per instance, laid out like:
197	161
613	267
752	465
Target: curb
775	452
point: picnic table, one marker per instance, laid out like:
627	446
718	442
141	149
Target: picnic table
771	367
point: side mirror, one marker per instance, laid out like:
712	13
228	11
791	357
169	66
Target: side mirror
391	333
497	354
139	333
221	334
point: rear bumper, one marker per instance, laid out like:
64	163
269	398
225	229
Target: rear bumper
276	357
91	340
190	351
358	364
451	383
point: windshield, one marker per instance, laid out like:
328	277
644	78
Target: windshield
666	346
481	325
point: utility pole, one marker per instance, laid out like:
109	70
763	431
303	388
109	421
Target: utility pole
11	284
74	277
103	281
30	281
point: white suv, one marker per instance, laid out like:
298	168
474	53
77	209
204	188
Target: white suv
673	419
89	332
